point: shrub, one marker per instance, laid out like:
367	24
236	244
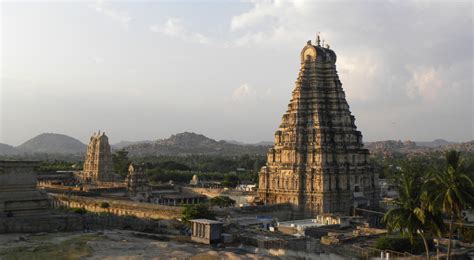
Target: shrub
195	212
400	244
81	211
222	201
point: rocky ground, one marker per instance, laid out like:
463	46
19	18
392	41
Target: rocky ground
112	244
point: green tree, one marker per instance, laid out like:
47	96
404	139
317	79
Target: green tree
222	201
454	190
400	244
121	162
196	212
104	205
230	181
413	214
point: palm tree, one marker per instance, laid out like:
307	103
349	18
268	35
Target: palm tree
455	190
413	214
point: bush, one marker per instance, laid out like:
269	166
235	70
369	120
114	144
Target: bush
222	201
195	212
104	205
468	235
81	211
400	244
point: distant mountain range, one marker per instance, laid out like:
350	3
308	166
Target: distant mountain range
192	143
410	147
53	144
47	143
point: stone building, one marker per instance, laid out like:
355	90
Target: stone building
136	180
18	194
206	231
318	162
98	166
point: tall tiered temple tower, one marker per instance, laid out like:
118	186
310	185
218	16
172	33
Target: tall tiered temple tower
318	162
98	165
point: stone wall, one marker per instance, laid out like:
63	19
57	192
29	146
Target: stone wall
76	222
51	223
117	207
282	212
100	222
211	193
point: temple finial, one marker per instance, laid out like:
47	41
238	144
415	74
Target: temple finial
318	39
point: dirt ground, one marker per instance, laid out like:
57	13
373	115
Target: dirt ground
109	245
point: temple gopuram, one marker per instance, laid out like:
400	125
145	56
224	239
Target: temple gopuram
98	166
318	162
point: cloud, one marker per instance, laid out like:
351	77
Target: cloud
174	27
98	60
108	10
377	59
425	83
269	22
244	92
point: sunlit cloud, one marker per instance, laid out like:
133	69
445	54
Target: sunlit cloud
174	27
108	10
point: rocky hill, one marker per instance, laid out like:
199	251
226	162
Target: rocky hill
435	144
50	143
6	149
190	143
410	147
122	144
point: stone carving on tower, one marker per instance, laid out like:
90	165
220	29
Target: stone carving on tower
98	166
318	162
136	180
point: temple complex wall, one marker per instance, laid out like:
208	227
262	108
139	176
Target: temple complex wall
117	207
18	193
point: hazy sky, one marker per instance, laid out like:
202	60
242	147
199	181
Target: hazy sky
146	70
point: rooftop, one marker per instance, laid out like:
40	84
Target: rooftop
205	221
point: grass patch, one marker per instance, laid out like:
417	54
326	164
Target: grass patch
73	248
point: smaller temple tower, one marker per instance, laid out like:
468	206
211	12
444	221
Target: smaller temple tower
137	183
98	165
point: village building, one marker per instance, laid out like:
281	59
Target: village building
175	198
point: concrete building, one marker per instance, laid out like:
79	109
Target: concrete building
206	231
324	220
318	163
